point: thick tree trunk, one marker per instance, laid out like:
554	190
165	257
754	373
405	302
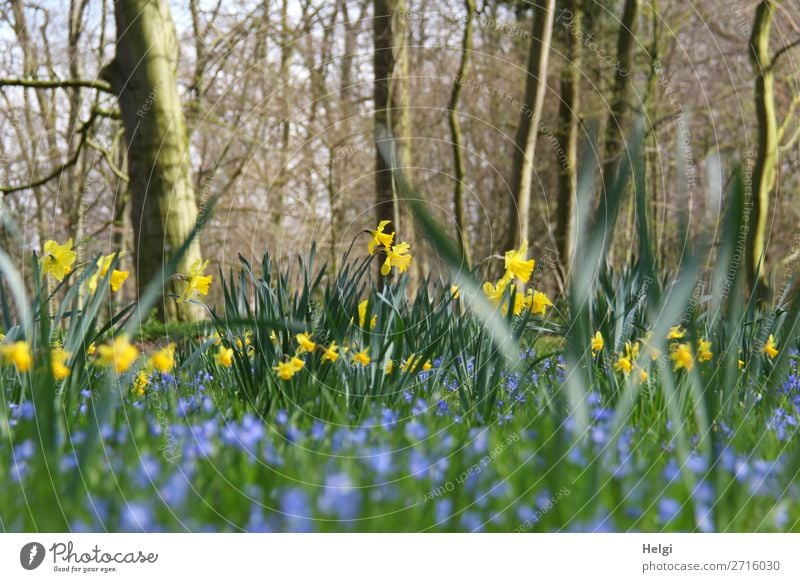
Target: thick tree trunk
567	134
163	206
765	169
455	133
530	120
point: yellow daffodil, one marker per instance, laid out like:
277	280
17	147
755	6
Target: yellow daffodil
396	256
18	354
164	359
304	340
91	349
676	333
285	370
101	270
704	353
224	357
120	355
537	302
57	259
362	357
518	264
770	348
632	350
494	293
140	383
412	364
58	363
741	364
597	343
643	375
623	365
196	282
273	336
331	353
117	279
362	315
380	238
682	357
296	363
389	367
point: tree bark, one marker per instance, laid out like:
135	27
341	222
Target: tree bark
530	120
163	206
617	117
455	133
383	66
567	134
765	169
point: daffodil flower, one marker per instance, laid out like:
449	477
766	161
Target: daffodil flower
770	348
518	264
164	359
597	343
537	302
362	357
18	354
120	355
140	383
196	282
396	256
380	238
224	357
623	365
676	333
57	260
284	370
704	353
58	363
304	340
682	357
331	353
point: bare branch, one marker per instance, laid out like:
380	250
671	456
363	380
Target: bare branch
57	84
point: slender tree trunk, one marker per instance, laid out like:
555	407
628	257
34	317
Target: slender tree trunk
617	117
163	206
530	120
279	189
567	134
455	133
383	66
765	170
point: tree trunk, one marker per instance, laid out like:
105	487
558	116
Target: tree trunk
765	169
383	66
567	134
455	132
617	117
163	206
530	120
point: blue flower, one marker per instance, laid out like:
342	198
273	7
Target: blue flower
443	510
136	517
340	497
668	510
294	505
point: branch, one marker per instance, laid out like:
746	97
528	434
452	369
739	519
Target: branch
83	130
57	84
784	50
107	157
